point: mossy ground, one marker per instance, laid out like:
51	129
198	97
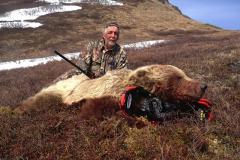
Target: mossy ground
57	132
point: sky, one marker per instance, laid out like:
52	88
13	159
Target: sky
221	13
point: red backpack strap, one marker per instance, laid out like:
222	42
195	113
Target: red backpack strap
205	102
124	95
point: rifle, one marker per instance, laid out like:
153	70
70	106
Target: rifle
76	66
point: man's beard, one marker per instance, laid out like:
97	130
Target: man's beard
110	44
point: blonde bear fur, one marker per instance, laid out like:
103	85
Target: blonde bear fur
166	81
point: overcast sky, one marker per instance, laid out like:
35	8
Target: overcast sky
221	13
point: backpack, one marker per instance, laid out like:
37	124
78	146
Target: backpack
135	101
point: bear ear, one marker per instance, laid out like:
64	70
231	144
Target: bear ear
141	73
137	75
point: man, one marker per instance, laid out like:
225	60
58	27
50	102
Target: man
105	54
101	55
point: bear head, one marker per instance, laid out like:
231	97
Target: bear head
167	82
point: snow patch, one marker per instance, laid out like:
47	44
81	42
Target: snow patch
23	24
34	62
144	44
37	61
34	13
102	2
18	18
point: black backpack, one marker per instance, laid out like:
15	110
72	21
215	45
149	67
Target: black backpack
135	101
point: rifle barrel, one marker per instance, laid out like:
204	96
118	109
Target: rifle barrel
59	54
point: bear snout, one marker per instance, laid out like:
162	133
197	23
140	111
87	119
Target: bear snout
203	87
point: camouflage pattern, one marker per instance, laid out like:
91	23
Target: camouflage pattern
96	61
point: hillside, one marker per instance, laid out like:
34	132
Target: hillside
70	31
55	131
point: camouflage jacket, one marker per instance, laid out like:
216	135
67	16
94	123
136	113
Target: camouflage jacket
96	61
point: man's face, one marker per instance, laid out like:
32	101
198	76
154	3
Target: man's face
110	36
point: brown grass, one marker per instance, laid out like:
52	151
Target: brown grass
58	132
140	20
16	85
